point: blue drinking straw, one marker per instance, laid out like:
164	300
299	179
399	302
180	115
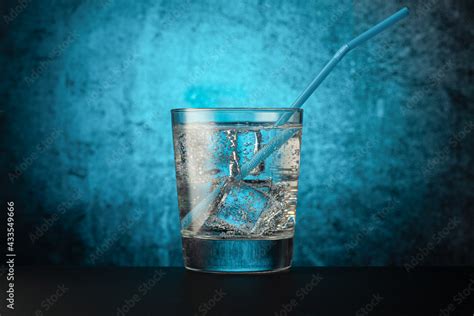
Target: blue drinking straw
362	38
199	213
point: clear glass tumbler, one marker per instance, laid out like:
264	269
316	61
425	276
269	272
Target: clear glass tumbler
237	212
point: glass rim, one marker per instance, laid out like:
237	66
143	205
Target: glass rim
237	109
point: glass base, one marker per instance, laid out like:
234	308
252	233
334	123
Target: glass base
237	255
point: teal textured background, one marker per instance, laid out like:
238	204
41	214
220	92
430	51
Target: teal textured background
387	157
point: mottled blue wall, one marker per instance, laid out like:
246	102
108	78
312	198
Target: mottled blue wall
86	150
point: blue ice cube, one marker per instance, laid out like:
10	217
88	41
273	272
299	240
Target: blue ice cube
224	159
242	206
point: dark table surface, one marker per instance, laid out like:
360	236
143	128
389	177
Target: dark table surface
299	291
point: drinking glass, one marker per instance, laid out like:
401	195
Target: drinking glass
234	221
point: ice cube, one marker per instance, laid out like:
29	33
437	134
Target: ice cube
242	206
234	166
269	220
205	208
230	149
214	225
248	143
273	218
222	155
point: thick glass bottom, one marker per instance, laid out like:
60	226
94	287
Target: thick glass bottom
237	255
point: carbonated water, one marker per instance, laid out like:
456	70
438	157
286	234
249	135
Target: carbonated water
250	225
